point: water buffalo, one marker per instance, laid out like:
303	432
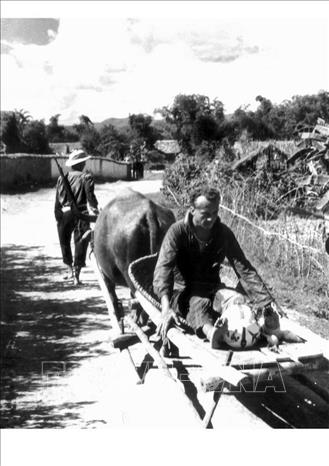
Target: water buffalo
129	227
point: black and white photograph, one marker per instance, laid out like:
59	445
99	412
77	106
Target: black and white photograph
164	217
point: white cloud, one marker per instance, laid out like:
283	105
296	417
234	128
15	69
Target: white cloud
115	66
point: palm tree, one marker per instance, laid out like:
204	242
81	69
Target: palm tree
22	118
53	120
85	121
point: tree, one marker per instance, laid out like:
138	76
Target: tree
85	121
113	143
23	118
59	133
142	130
88	135
305	110
55	132
10	133
280	121
84	124
194	119
205	129
90	140
69	136
35	137
217	109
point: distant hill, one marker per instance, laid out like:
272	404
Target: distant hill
118	123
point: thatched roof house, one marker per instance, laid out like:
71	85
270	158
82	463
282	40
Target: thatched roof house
167	146
268	156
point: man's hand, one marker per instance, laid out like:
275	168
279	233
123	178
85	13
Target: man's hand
169	318
270	309
277	309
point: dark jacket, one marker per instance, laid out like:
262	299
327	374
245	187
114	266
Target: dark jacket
82	186
187	263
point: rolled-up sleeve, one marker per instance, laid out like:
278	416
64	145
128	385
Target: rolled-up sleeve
251	282
163	278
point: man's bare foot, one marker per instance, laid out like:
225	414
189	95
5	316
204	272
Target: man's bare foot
76	276
69	274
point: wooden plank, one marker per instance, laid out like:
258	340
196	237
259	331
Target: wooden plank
308	335
161	363
263	357
304	351
210	383
191	346
294	352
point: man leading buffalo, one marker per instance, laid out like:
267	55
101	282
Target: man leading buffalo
186	276
82	188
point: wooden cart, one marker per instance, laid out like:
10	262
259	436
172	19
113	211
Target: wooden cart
239	371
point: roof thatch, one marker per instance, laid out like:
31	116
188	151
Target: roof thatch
267	150
167	146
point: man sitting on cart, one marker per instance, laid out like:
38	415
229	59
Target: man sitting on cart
186	276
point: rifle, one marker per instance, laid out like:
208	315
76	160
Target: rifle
70	195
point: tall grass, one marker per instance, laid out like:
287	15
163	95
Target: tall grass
291	244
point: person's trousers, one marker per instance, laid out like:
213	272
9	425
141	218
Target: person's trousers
200	307
66	226
196	308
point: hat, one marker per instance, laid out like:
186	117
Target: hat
77	156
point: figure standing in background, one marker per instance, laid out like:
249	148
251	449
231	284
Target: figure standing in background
82	186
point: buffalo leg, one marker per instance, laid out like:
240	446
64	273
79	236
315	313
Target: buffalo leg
138	314
114	298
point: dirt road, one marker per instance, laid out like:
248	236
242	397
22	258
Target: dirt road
58	367
55	338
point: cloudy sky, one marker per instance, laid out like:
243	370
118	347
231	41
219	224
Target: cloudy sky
109	59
